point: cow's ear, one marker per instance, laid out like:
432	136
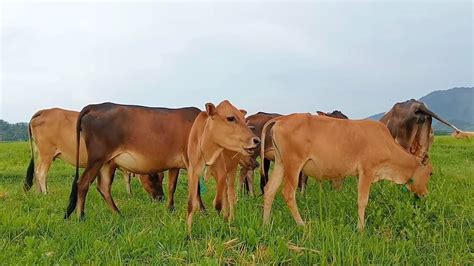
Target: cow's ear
243	112
210	109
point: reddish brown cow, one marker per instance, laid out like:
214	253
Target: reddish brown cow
51	133
143	140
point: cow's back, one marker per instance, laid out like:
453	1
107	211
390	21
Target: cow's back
140	139
333	147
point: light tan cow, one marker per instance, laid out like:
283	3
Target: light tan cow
52	135
219	128
463	134
329	149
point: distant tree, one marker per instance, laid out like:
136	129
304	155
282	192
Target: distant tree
13	132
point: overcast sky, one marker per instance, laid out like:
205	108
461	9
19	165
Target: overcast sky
276	57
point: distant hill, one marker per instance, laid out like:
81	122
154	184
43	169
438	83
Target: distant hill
13	132
455	105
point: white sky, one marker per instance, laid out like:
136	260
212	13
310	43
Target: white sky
358	57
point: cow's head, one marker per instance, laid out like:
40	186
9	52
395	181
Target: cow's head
227	128
418	183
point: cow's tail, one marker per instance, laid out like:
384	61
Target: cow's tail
73	195
427	111
30	172
262	145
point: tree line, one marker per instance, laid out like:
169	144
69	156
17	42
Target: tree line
13	132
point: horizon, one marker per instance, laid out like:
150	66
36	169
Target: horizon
356	57
368	117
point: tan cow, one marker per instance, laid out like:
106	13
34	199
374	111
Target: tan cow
52	135
462	134
219	128
329	149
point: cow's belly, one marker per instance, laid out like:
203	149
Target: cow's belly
143	164
328	170
70	158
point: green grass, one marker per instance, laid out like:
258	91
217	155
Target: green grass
399	230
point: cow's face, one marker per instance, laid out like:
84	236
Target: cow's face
228	128
421	177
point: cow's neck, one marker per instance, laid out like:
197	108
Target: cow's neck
209	149
403	166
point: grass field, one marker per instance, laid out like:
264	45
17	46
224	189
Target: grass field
400	229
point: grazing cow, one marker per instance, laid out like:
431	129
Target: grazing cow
463	134
409	124
219	128
51	133
329	148
142	140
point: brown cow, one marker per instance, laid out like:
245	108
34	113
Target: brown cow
409	124
51	133
462	134
143	140
219	128
329	148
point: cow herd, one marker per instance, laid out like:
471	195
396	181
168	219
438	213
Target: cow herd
147	141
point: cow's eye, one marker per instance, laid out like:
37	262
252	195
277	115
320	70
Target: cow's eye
231	119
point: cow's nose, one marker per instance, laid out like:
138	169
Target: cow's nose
256	141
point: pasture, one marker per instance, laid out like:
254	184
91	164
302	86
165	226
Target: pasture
400	229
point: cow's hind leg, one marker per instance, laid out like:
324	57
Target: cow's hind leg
172	182
292	176
302	181
127	178
264	175
104	184
44	163
271	189
87	177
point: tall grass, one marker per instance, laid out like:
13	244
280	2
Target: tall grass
399	230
